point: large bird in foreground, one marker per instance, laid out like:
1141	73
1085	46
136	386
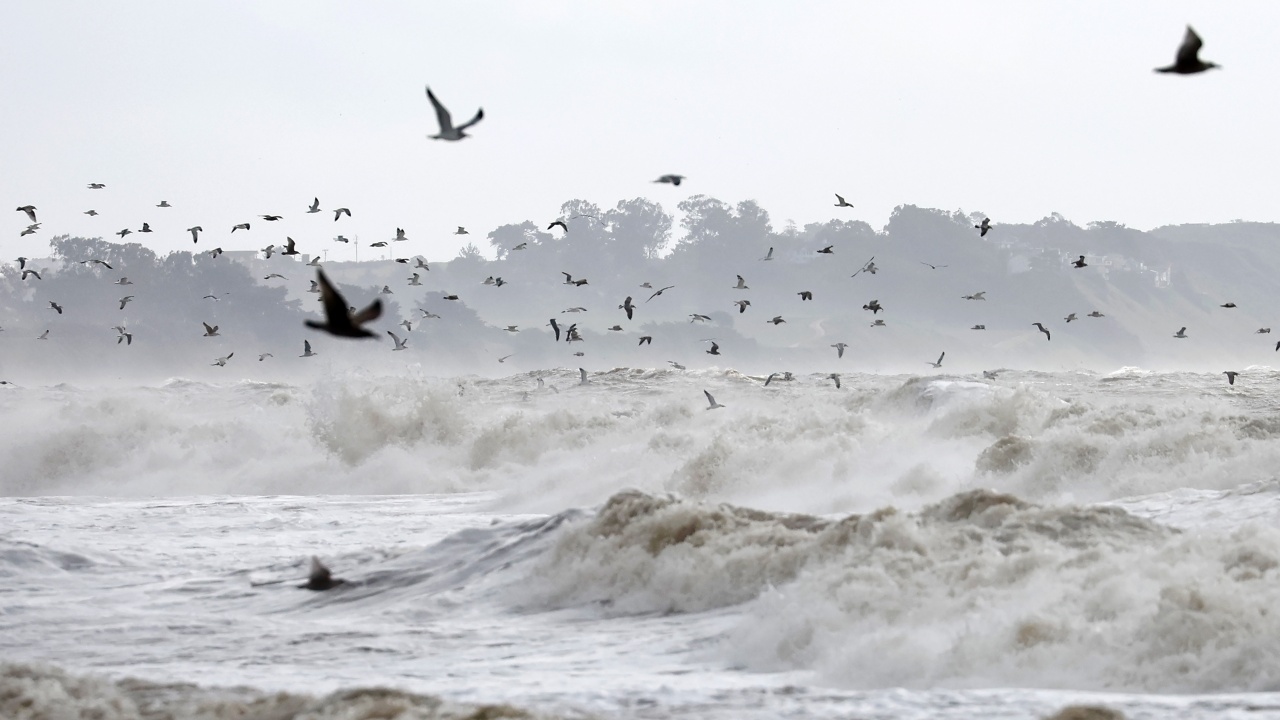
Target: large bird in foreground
339	320
447	130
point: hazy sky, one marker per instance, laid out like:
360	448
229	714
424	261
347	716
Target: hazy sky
230	110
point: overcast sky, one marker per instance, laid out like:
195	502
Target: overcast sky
230	110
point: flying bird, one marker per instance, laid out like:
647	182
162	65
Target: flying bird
1228	305
44	335
827	250
626	305
400	344
836	378
869	267
96	186
271	218
268	250
931	265
241	226
805	295
873	306
1070	317
976	296
341	239
415	280
560	223
504	357
556	327
715	349
714	405
55	306
210	330
984	227
447	130
1187	61
195	233
1263	331
306	347
1231	376
616	328
30	210
841	202
214	253
673	179
461	231
659	292
264	356
222	361
742	306
288	247
164	203
146	227
1043	330
320	578
25	273
339	320
125	301
91	213
978	327
742	284
768	255
275	275
695	317
124	232
340	212
645	340
939	363
1079	263
1181	334
124	336
122	281
315	206
777	320
840	349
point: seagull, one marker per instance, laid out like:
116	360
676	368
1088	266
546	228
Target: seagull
320	577
840	349
984	227
264	356
55	306
422	264
1181	334
339	212
122	281
616	328
386	290
125	301
931	265
676	365
44	335
990	374
645	340
415	280
777	320
400	344
222	361
124	232
339	320
241	226
656	294
715	349
626	305
288	247
499	282
1070	317
426	314
306	348
770	379
805	295
489	281
30	210
96	186
447	130
341	239
873	306
461	231
695	317
275	275
268	250
214	253
315	262
556	327
271	218
31	230
210	297
561	223
1231	376
91	213
976	296
1043	330
1187	61
380	243
407	325
714	405
512	328
95	261
574	310
521	246
673	179
1263	331
841	202
22	262
125	337
1079	263
582	375
836	377
210	330
146	227
450	297
164	203
1228	305
978	327
195	233
768	255
315	206
827	250
504	358
742	306
869	267
939	363
571	335
742	284
25	273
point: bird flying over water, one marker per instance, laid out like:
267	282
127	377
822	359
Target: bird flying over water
1187	61
713	404
222	361
715	349
447	129
1231	376
339	320
939	363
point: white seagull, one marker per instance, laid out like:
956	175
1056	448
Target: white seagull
447	129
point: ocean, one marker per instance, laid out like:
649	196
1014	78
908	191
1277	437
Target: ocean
940	546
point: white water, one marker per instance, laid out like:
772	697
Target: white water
901	547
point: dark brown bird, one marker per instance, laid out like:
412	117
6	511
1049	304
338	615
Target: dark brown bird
1188	60
984	227
339	320
1079	263
320	577
626	305
560	223
1231	376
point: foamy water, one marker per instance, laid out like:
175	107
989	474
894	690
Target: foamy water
900	547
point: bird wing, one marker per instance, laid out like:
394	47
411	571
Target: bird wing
394	337
709	398
442	115
207	328
940	358
1190	49
479	116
